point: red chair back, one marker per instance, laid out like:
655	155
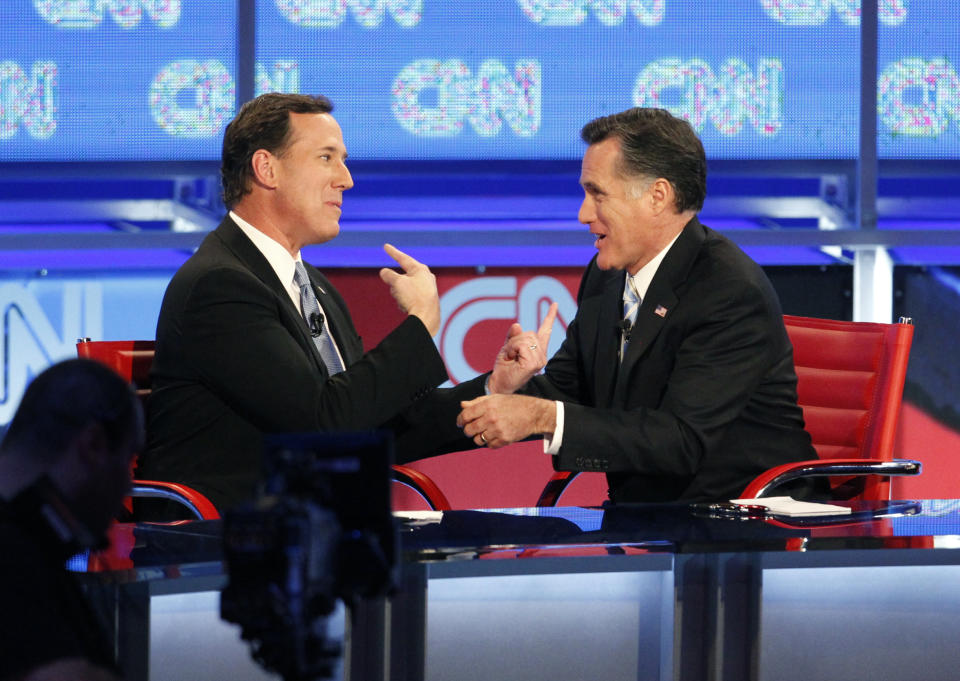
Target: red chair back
131	359
850	379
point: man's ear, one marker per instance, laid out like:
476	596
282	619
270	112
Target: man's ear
661	195
263	165
90	445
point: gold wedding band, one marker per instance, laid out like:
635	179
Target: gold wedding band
483	438
534	346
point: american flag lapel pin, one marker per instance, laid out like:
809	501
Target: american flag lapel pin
661	311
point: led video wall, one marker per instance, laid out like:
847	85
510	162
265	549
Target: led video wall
90	80
476	79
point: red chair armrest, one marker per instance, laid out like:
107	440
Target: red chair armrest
196	502
422	485
818	467
554	488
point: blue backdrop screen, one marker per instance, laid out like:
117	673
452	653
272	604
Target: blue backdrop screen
475	79
92	80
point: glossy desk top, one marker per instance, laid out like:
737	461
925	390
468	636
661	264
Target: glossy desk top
160	551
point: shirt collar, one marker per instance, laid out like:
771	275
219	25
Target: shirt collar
643	277
279	257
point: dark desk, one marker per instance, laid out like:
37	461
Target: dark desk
642	592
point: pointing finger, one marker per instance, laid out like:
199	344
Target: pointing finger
543	333
405	261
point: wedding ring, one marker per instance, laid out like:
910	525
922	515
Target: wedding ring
483	438
534	346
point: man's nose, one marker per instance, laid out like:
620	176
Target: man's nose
343	180
587	212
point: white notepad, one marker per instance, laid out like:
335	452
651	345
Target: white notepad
791	507
421	516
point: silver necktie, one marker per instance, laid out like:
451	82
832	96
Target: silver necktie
631	304
319	329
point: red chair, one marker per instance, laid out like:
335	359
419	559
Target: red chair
133	359
850	384
850	379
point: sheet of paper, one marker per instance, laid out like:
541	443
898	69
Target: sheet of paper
422	516
792	507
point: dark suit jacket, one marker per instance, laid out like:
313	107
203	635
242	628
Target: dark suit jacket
705	398
234	359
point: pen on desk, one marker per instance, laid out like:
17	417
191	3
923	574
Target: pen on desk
729	509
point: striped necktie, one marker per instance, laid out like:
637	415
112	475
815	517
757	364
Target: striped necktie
314	318
631	303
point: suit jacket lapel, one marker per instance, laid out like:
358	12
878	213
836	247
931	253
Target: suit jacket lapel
608	338
251	257
661	298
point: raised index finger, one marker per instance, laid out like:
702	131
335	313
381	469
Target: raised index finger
543	333
404	260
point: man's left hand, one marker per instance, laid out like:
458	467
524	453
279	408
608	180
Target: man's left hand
523	355
415	290
498	420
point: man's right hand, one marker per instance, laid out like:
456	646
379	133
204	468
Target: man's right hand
416	290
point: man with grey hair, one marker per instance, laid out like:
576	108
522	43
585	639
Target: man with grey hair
676	377
64	472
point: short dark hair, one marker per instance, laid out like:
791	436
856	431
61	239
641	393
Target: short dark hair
66	398
262	123
655	143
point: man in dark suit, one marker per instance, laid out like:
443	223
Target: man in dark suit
244	340
676	377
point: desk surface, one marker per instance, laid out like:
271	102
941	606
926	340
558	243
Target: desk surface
162	551
670	556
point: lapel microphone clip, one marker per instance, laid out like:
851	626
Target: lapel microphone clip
316	324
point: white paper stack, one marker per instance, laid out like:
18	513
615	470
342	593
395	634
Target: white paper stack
420	516
791	507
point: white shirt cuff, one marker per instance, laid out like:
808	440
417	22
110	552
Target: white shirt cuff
551	444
